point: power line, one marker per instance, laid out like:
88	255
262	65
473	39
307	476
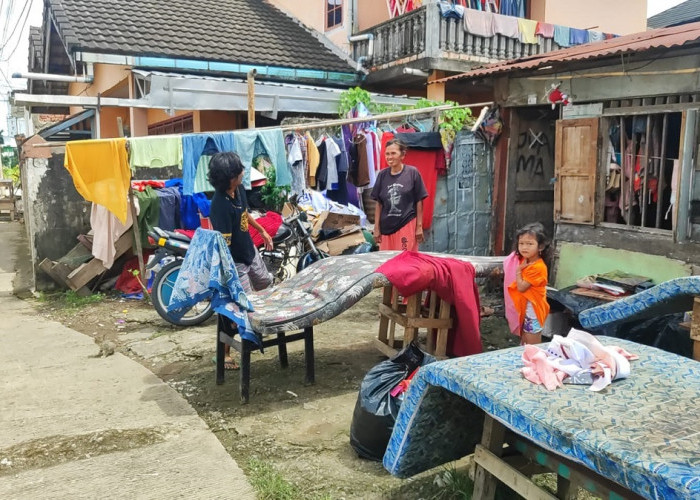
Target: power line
10	7
27	8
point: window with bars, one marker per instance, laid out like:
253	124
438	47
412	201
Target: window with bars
334	14
183	124
642	163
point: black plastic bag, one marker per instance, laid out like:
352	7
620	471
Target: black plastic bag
376	410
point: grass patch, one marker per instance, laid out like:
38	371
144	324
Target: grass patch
270	485
454	484
70	299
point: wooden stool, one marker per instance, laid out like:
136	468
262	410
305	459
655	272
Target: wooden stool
436	317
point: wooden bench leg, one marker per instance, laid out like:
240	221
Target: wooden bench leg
246	347
309	355
492	439
282	350
220	354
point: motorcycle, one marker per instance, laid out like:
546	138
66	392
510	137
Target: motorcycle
293	250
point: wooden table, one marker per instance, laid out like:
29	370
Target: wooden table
640	437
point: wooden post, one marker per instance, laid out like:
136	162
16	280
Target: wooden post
436	91
134	218
695	329
251	98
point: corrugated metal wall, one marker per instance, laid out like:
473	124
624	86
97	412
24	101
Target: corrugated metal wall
462	217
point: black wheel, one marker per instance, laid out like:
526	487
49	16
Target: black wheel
162	291
309	258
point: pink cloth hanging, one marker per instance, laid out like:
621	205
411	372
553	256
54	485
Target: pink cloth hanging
510	266
545	30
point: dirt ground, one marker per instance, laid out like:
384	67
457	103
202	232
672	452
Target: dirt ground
301	430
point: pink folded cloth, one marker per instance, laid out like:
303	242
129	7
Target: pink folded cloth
539	370
506	26
478	22
545	30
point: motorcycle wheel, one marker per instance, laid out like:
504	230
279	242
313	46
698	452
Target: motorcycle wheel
162	290
309	258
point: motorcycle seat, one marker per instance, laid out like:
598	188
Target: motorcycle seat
283	233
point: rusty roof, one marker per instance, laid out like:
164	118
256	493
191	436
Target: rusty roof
636	42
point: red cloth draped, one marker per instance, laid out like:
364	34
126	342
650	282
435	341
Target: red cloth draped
453	281
270	222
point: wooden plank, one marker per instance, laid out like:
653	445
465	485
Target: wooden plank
383	319
443	333
47	265
432	333
492	440
695	329
388	351
416	322
394	308
85	273
508	475
410	331
577	474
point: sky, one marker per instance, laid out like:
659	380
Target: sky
17	15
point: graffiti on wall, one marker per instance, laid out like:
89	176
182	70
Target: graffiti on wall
534	153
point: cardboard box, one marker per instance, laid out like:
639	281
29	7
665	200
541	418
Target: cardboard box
332	220
337	245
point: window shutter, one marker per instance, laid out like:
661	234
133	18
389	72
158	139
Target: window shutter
575	169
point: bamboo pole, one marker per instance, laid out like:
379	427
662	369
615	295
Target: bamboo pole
251	97
341	121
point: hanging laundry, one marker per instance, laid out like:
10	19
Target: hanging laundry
141	185
451	10
340	194
595	36
314	159
562	35
100	172
545	30
169	214
149	212
155	151
106	230
297	161
479	23
196	145
201	179
527	29
609	36
506	26
359	169
578	37
191	206
272	141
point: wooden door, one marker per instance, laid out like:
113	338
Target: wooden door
575	168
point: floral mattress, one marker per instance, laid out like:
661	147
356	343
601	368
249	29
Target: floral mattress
329	287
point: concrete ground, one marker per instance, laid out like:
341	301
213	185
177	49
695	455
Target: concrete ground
78	424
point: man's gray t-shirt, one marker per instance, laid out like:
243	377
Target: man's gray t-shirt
398	195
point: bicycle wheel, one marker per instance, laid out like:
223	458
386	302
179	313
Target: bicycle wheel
162	291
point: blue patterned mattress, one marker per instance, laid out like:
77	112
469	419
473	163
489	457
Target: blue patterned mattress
642	432
668	297
329	287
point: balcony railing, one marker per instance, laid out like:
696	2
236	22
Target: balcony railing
424	33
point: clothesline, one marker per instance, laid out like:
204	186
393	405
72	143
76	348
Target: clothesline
336	122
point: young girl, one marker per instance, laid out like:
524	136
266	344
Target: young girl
529	290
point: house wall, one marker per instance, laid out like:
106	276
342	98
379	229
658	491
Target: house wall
109	126
621	17
212	121
576	261
312	13
107	77
54	213
370	13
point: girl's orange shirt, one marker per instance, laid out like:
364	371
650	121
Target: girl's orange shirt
536	275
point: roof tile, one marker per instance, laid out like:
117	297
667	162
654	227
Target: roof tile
240	31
